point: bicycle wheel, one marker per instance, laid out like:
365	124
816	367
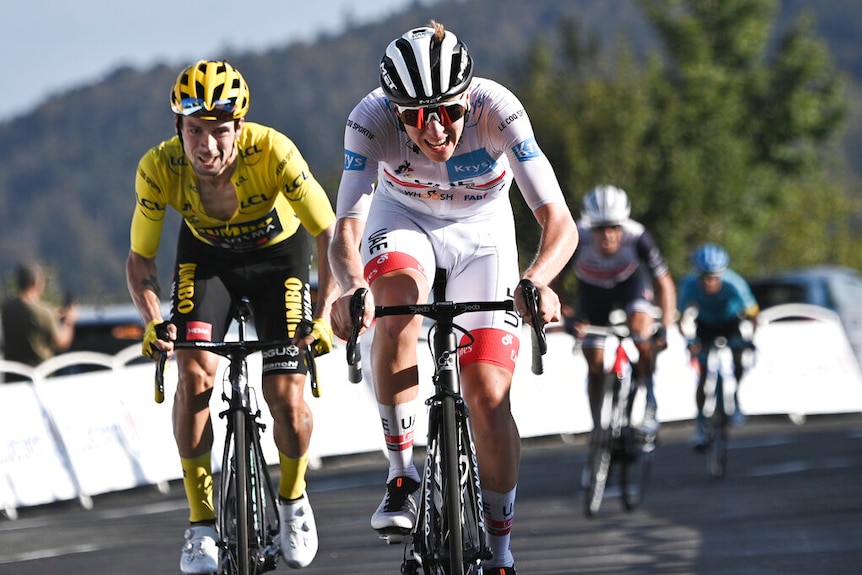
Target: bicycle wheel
716	453
635	455
601	447
242	467
248	517
636	466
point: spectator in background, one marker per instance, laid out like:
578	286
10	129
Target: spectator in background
34	331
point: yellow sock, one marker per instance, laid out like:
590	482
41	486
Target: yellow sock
292	483
198	481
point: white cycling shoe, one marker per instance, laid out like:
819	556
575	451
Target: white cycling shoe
298	532
396	514
200	553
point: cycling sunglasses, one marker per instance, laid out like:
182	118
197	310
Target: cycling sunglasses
418	117
197	107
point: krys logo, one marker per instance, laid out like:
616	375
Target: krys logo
470	165
354	161
527	150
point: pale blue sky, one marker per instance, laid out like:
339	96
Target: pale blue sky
50	46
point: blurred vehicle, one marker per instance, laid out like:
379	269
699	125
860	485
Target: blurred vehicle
107	328
835	288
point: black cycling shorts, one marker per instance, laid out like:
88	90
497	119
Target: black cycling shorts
274	279
595	303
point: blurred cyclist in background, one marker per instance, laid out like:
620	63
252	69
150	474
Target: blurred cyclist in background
249	202
614	263
723	300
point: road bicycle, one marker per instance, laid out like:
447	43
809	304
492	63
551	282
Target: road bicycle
247	510
719	405
449	535
616	442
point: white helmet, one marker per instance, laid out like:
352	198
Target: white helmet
606	206
425	66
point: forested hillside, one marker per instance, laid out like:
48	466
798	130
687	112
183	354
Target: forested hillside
67	169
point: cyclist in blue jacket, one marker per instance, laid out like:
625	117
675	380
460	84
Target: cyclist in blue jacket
723	300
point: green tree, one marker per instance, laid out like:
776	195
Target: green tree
724	134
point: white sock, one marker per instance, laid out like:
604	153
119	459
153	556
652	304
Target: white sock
499	514
398	422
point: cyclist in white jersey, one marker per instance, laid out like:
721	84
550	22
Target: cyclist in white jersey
428	162
614	263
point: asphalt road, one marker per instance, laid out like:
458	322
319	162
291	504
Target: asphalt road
791	503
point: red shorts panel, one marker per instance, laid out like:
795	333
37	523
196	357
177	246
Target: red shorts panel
494	346
391	261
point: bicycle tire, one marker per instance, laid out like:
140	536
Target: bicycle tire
242	465
716	456
636	456
636	468
441	545
601	450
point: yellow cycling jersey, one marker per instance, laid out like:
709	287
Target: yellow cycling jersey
275	189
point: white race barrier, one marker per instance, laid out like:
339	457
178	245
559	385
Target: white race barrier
74	436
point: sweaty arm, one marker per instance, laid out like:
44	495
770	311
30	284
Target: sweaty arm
541	191
558	241
650	255
327	289
347	269
667	299
358	181
142	279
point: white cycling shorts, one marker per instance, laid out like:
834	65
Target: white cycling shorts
481	260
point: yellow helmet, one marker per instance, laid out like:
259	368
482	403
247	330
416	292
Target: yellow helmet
210	90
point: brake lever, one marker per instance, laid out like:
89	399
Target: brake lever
539	339
354	353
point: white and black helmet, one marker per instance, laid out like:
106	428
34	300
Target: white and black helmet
425	66
606	206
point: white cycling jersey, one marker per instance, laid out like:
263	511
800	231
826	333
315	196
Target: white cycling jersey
637	247
421	214
497	145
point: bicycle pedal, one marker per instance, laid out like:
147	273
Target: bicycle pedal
392	537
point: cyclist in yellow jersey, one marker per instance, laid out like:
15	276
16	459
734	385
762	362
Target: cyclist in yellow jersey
249	204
